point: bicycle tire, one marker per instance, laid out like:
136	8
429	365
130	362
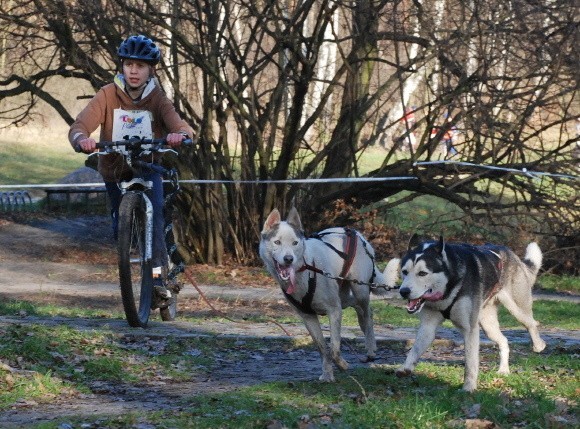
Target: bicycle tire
135	274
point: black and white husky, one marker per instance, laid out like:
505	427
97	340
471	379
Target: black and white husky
321	275
465	284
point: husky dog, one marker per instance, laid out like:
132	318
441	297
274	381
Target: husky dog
466	284
323	274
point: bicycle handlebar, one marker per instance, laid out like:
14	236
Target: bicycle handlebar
136	143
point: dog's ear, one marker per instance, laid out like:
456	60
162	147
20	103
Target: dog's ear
272	220
440	246
294	219
414	241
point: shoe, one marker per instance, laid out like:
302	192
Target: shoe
174	286
162	296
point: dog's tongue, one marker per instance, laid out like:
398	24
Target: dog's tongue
287	274
292	281
433	296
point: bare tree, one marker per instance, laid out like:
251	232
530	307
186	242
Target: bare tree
305	88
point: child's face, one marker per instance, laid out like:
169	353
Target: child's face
136	72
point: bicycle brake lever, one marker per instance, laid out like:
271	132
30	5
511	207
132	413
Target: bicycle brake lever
105	152
78	149
167	150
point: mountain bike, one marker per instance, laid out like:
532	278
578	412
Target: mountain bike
135	232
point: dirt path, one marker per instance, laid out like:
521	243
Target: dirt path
72	260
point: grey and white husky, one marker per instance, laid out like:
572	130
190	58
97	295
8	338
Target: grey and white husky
310	272
466	284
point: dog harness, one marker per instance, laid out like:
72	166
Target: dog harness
495	289
447	312
305	305
348	255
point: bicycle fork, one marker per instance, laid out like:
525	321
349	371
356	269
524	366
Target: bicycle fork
146	185
148	228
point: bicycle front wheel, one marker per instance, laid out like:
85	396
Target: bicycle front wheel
135	273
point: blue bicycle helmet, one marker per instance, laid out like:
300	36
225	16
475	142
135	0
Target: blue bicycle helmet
139	48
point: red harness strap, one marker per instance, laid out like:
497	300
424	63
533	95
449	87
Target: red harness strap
350	245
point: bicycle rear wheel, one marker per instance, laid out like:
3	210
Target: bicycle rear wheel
135	274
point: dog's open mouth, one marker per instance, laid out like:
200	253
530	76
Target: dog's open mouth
415	305
286	273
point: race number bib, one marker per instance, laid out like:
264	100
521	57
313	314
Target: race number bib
128	124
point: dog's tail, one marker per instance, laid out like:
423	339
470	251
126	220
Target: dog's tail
389	277
533	258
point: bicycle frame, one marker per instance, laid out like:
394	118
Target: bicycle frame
135	243
129	149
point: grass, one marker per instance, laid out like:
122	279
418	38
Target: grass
551	314
426	211
552	283
80	357
49	162
60	362
25	308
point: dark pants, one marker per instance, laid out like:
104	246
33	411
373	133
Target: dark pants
156	197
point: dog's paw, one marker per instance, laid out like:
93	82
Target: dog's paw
403	372
469	388
539	346
367	359
326	377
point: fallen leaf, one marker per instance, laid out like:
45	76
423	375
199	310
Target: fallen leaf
479	424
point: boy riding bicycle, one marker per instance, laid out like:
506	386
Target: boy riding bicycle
134	105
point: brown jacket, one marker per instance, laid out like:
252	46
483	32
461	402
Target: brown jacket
99	112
